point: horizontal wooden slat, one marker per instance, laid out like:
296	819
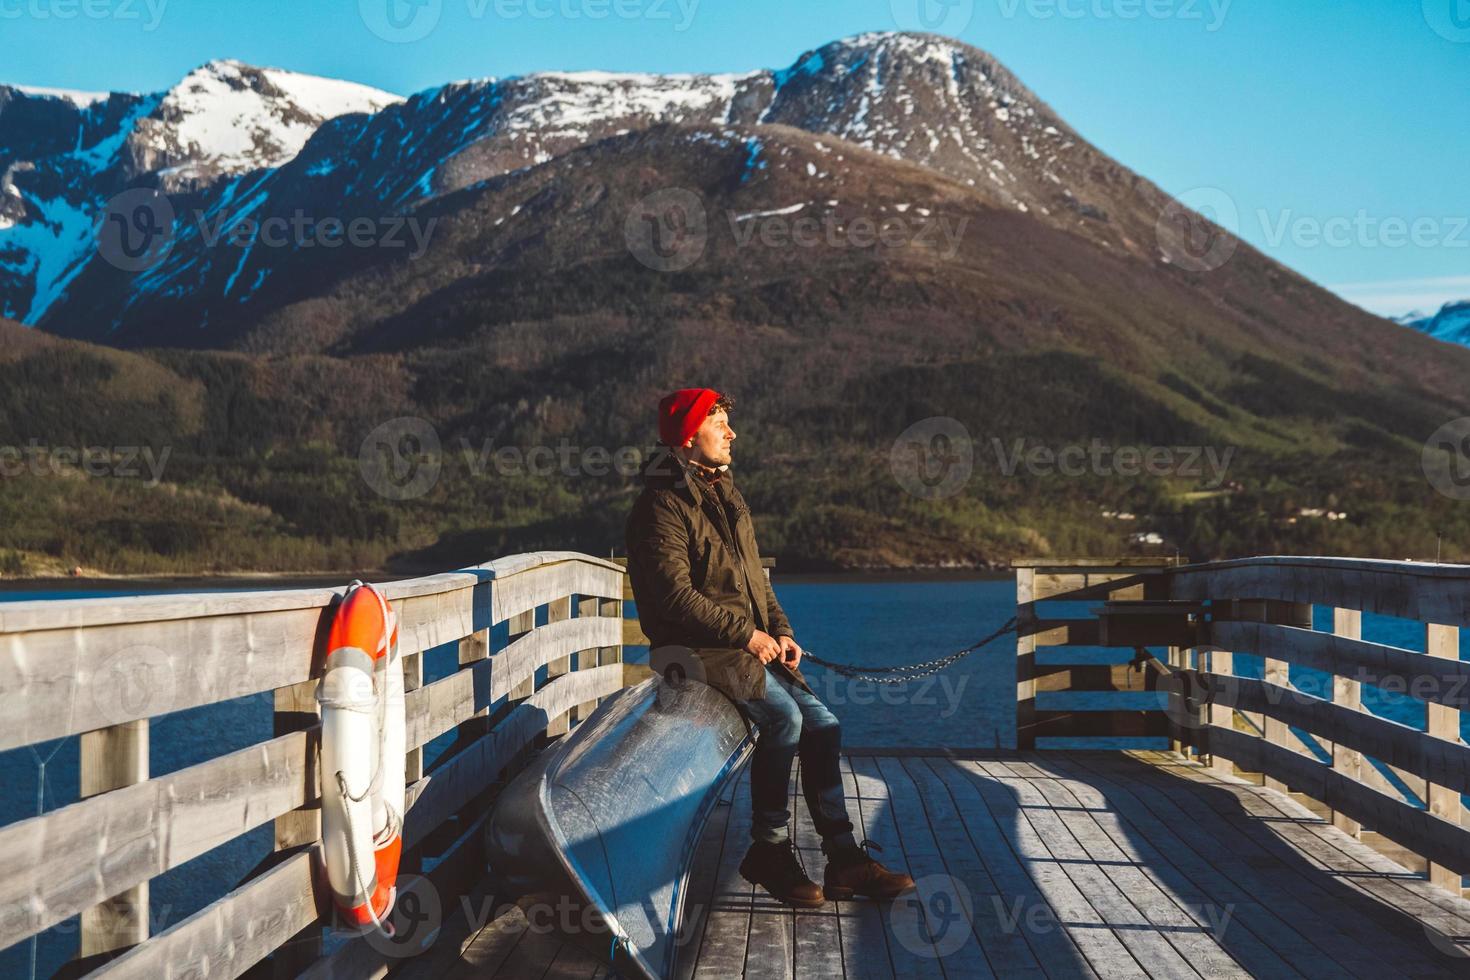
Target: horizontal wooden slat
1430	593
227	937
98	670
55	865
1427	678
1101	700
1422	832
1438	760
1062	632
437	708
434	798
1084	585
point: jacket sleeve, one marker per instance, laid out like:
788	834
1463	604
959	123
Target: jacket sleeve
775	615
662	549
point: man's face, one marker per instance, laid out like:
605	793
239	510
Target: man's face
711	443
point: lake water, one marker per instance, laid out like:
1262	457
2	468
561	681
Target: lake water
870	621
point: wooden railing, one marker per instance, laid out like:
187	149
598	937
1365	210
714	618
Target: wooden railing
101	668
1263	606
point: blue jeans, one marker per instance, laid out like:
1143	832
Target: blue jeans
790	721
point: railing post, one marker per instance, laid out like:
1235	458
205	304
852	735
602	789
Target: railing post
296	709
112	758
556	611
1222	663
1025	658
413	679
473	649
587	606
1347	623
1443	641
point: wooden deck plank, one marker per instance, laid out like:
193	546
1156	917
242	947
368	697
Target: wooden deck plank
818	933
1255	932
1052	947
1160	907
1105	953
1358	865
1271	869
1003	943
770	952
1149	947
864	939
879	825
926	864
1177	909
722	951
492	946
703	881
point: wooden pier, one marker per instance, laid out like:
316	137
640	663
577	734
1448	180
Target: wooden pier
1162	816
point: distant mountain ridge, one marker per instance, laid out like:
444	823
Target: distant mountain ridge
1451	324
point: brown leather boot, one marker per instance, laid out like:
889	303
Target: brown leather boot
852	872
776	868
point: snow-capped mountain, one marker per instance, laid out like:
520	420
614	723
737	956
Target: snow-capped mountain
63	155
1450	324
231	140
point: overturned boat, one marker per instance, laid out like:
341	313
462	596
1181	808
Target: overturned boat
610	817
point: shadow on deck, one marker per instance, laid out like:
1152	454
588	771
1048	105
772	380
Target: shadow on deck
1052	864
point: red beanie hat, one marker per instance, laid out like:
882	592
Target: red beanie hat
682	413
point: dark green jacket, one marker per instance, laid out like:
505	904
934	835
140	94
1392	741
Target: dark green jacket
697	576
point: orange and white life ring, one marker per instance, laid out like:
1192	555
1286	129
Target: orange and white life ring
362	761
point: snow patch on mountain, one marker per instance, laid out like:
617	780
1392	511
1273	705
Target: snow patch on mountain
79	99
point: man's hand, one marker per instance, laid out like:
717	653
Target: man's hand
763	647
790	651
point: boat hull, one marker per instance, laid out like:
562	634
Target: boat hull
610	817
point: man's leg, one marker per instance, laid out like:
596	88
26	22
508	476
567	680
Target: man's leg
850	870
820	750
771	861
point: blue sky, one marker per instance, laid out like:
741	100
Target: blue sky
1338	130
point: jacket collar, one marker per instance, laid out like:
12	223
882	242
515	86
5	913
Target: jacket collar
666	471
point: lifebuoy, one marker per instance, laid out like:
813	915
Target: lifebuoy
362	760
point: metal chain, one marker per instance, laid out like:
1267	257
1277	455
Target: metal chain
906	672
